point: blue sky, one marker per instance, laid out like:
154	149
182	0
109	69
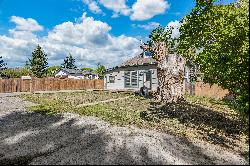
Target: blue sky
106	31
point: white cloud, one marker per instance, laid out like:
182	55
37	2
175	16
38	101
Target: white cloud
174	25
149	26
88	40
16	46
26	35
140	10
87	32
146	9
28	24
117	6
93	6
15	51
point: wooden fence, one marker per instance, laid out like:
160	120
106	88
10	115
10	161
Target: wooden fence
47	84
55	84
206	90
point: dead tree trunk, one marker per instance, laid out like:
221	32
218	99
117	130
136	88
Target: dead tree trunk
170	72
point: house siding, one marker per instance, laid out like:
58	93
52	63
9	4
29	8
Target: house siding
119	83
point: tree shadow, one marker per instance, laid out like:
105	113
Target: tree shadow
34	138
203	118
39	138
28	138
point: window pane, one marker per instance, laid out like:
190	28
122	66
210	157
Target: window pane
127	79
134	80
148	75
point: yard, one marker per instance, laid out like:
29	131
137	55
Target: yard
203	119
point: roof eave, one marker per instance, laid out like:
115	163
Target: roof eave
125	66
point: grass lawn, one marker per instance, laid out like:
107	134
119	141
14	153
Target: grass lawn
201	118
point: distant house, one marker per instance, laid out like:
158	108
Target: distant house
135	73
75	74
89	75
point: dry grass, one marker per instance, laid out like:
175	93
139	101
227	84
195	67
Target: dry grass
201	118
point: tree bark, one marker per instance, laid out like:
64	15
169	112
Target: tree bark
170	72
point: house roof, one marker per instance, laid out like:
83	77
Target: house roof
76	71
138	61
72	71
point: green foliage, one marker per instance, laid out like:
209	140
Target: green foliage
161	34
2	66
100	70
69	62
216	37
87	68
52	70
38	63
16	73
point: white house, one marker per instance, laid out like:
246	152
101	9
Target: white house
75	74
135	73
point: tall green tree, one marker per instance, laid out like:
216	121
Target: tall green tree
2	66
216	37
38	62
69	62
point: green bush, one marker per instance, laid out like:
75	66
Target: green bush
16	73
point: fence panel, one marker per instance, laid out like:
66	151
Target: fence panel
201	89
47	84
208	90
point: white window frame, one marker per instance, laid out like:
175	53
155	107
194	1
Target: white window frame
131	85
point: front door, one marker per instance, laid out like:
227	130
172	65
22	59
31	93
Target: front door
147	79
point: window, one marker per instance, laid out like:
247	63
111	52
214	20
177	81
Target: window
131	78
111	79
127	79
148	76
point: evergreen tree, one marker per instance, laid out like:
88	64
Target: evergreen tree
38	62
2	66
69	62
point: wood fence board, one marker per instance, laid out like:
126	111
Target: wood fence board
47	84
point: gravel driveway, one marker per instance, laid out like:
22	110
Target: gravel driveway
32	138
